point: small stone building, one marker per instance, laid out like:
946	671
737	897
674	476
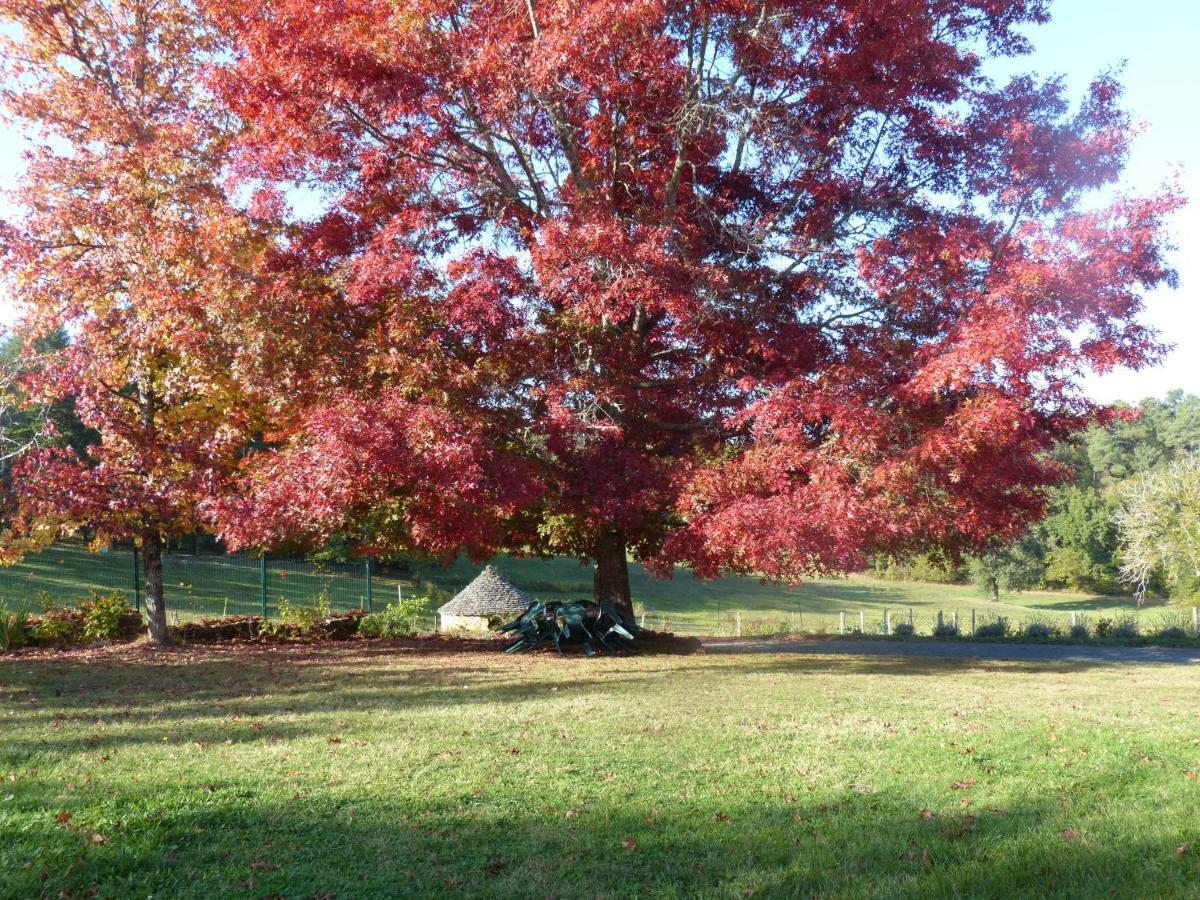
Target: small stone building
483	603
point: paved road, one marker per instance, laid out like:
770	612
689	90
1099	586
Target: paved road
956	650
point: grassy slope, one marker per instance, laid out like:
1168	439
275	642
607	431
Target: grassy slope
685	603
208	586
368	772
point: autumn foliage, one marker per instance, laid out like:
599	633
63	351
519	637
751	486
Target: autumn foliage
750	286
130	246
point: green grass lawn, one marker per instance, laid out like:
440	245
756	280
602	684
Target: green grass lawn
370	771
208	586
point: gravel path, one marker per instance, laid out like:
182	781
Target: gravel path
957	650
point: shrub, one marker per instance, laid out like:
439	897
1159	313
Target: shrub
1126	630
58	628
302	619
997	629
945	629
14	629
1079	632
102	615
903	629
399	618
767	627
1171	633
1104	627
1038	631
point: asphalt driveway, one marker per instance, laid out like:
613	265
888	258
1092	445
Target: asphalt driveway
956	650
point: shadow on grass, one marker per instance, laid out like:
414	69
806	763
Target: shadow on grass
1111	606
882	845
210	696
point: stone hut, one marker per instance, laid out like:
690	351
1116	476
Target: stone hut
487	599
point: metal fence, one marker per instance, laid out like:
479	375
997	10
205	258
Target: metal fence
923	620
195	584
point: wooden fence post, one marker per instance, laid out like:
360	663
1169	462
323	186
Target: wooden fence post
910	617
862	622
887	621
954	620
1196	618
940	621
973	624
1074	619
841	623
737	623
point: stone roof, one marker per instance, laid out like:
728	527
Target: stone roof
490	594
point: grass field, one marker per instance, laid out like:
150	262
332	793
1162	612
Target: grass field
369	771
208	586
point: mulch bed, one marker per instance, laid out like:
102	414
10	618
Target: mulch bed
340	627
242	634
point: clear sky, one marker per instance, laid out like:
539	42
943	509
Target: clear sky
1158	41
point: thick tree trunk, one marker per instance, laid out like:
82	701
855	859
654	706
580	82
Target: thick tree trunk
156	609
611	581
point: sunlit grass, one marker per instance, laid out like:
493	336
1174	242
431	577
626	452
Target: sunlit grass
371	772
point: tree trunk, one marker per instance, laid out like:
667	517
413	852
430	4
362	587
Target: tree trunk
995	591
611	581
156	609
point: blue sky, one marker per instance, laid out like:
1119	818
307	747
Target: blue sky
1158	41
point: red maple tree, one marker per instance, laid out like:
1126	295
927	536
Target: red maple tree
128	245
747	285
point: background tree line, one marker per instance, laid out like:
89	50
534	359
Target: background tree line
1077	546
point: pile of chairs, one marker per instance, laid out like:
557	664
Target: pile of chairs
591	625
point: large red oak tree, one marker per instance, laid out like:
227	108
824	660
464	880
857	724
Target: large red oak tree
747	285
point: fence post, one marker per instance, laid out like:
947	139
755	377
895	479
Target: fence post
910	617
737	618
1075	621
973	628
1196	618
940	621
368	584
887	621
862	622
955	620
841	623
137	585
262	582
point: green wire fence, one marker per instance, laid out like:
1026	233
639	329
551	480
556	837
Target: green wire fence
195	584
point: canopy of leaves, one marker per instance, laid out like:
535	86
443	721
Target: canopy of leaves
763	287
1159	523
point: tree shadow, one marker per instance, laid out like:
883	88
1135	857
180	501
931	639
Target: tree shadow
210	696
1109	605
880	845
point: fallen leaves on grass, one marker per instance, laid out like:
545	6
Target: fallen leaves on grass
963	785
629	844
